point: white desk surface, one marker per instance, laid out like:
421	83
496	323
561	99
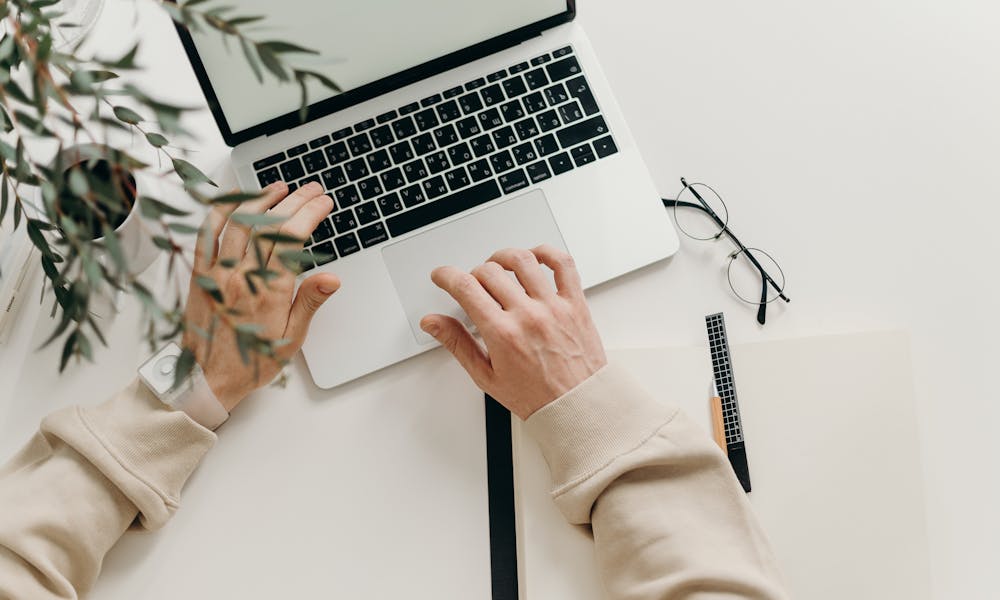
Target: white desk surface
858	142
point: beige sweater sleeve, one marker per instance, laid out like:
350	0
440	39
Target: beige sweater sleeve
669	518
75	488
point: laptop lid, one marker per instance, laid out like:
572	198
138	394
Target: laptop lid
368	47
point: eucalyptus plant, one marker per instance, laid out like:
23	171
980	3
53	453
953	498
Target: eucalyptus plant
53	97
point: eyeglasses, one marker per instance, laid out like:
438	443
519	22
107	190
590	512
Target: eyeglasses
753	274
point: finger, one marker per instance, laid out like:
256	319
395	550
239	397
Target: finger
469	353
286	210
529	273
237	235
206	249
495	280
470	295
313	292
299	226
564	267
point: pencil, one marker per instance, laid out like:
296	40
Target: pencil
718	425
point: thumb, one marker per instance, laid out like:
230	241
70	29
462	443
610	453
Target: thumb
313	292
469	353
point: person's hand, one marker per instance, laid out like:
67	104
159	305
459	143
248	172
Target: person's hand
540	339
276	308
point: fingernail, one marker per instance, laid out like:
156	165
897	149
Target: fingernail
431	328
326	290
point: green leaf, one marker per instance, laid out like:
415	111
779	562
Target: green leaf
280	238
5	123
127	60
249	328
210	286
228	263
273	63
248	52
83	343
4	196
235	198
69	348
297	260
326	81
37	238
157	140
114	247
281	47
303	98
183	368
183	228
78	182
127	115
151	208
163	243
189	173
255	219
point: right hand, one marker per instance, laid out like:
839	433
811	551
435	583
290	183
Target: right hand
540	340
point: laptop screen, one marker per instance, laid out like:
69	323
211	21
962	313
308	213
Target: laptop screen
358	42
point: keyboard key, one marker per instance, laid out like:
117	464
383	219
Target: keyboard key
470	103
356	169
582	131
424	143
511	182
347	244
401	152
492	95
549	120
504	137
536	79
430	100
460	154
409	108
468	127
535	103
525	153
564	68
319	142
323	231
367	213
379	161
437	162
324	254
562	52
297	150
415	171
475	84
556	94
347	196
435	187
412	196
561	163
442	209
493	77
337	153
292	186
270	161
344	221
404	128
268	176
512	110
541	60
308	180
445	136
457	179
370	188
449	111
579	88
314	161
538	172
514	87
519	68
480	170
360	144
502	162
390	205
571	113
453	92
426	119
605	147
292	169
526	129
393	180
547	145
382	136
363	125
334	178
583	155
490	119
373	234
342	134
386	117
482	145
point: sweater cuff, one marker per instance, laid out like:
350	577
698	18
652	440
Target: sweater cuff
606	416
145	449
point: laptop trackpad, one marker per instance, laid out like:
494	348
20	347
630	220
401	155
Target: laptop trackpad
522	222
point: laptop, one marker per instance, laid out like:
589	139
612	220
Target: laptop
463	127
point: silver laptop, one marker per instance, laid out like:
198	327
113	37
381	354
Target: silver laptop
465	126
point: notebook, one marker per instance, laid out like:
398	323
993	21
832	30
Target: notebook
832	443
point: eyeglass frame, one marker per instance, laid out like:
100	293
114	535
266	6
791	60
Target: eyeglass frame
766	278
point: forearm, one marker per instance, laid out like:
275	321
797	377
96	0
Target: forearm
670	521
72	491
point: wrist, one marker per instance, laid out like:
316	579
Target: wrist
193	396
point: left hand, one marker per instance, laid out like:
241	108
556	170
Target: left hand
275	307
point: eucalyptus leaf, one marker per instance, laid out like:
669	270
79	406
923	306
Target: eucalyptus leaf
189	173
127	115
235	198
183	368
256	219
69	348
157	140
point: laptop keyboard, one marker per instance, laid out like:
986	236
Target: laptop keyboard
430	160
